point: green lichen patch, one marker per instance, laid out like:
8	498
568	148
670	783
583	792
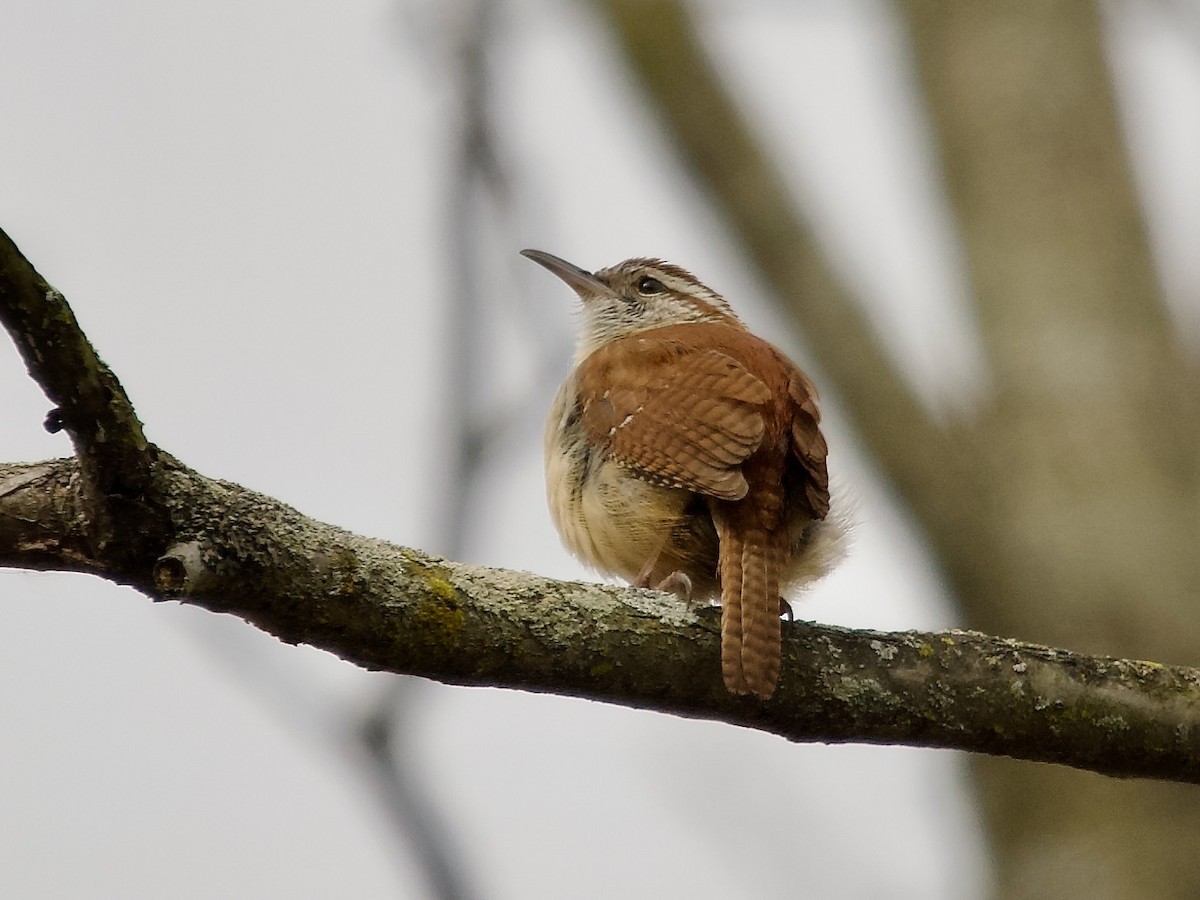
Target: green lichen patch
442	588
439	623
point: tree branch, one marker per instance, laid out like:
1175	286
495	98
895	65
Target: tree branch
228	549
90	402
392	608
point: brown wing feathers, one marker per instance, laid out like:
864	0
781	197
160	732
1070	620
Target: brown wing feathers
689	425
808	444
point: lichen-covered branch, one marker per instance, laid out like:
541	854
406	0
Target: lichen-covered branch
228	549
90	403
231	550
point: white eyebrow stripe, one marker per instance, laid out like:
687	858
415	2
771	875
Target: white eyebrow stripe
680	285
693	288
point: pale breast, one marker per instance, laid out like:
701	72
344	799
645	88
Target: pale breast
610	519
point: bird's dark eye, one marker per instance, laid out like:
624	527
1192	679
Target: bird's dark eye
649	285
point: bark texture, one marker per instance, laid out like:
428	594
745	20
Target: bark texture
380	606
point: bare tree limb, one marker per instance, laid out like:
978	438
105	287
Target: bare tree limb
386	607
90	402
228	549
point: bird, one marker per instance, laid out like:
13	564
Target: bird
685	453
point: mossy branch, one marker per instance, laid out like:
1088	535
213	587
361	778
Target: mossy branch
90	404
228	549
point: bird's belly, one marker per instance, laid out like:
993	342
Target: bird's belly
606	516
609	518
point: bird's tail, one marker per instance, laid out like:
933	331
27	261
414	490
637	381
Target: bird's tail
750	565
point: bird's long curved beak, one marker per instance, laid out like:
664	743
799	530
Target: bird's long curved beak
583	282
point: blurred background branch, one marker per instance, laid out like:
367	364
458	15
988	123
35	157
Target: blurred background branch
476	186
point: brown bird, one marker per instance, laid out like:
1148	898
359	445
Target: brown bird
684	452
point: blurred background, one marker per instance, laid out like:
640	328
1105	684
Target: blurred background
292	230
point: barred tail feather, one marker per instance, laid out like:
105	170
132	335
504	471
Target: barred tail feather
762	560
750	629
731	611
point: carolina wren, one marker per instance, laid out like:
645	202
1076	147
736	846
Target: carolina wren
684	452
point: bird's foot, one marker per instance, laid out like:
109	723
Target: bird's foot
678	584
